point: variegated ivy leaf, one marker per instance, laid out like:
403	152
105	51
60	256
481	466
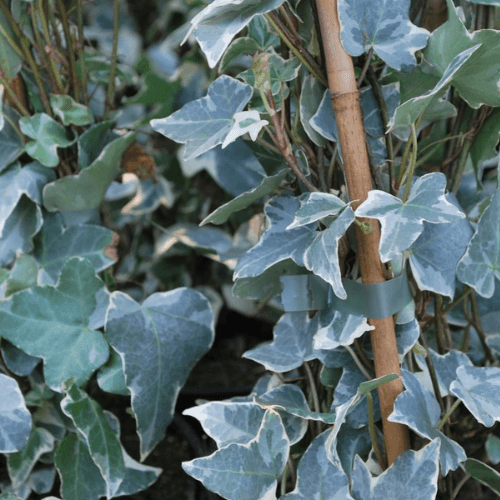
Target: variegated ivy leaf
292	344
15	418
16	182
48	135
337	328
70	111
245	122
402	223
409	111
412	476
316	206
479	389
417	408
480	265
322	255
383	25
159	343
249	471
317	477
277	243
52	323
310	99
204	123
216	25
436	252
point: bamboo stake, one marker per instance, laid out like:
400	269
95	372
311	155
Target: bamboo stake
345	100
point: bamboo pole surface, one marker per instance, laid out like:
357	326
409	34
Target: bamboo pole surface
345	100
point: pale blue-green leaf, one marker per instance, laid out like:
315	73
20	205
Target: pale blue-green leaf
51	322
351	442
119	190
159	344
321	257
111	377
317	477
479	389
402	223
150	195
310	99
21	463
408	112
292	344
412	476
337	328
93	141
452	38
104	445
417	408
483	473
55	245
220	164
290	399
446	365
315	206
266	187
277	243
80	476
16	182
48	135
249	471
492	446
17	361
18	231
436	252
70	111
97	318
385	27
86	189
239	422
406	336
42	480
204	123
216	25
15	419
11	144
480	265
23	275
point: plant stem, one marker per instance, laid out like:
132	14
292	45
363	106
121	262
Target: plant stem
476	322
365	67
114	55
448	415
413	164
300	53
457	174
373	432
80	50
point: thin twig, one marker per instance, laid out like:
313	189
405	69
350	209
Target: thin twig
314	393
114	56
365	67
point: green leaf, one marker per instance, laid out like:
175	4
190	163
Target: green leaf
452	38
238	47
51	322
492	446
266	187
48	135
93	141
10	61
86	189
104	445
111	377
483	473
159	344
70	111
11	144
55	245
22	275
21	463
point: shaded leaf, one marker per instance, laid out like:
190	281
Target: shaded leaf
70	111
93	141
412	476
216	25
15	419
11	144
402	223
17	361
86	189
22	275
480	265
159	344
151	194
492	446
483	473
51	322
383	25
204	123
418	409
48	135
111	377
242	45
310	99
249	471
